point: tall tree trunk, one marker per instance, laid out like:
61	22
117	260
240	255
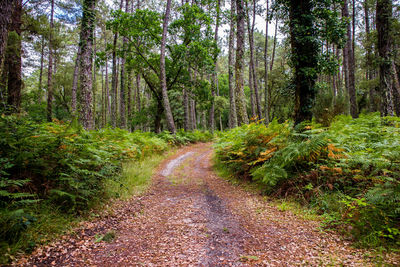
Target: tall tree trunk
368	57
214	74
239	67
350	66
50	69
252	101
250	28
266	91
75	82
163	78
129	100
107	104
383	25
232	101
6	9
94	85
13	59
122	97
103	100
305	53
274	46
114	78
186	119
86	63
40	91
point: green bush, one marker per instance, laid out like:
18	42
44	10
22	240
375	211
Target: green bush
350	171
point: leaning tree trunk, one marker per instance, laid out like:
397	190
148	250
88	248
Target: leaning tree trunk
50	69
86	64
232	102
13	60
383	25
163	78
305	53
239	67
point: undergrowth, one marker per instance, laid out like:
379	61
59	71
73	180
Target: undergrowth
51	174
348	171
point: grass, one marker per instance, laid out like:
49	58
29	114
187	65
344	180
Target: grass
135	178
52	223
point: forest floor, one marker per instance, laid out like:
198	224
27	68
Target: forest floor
192	217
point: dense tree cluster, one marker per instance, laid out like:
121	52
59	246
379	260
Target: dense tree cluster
210	64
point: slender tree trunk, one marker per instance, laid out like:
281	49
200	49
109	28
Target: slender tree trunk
13	60
75	82
186	112
94	85
232	101
114	78
383	25
214	74
266	92
40	92
350	66
103	99
252	101
129	100
250	29
239	67
122	97
50	69
86	64
274	46
368	57
163	78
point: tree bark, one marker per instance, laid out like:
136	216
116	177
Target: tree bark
266	91
368	57
6	9
214	74
114	78
86	64
239	67
250	28
75	82
232	101
50	69
13	60
163	79
122	97
383	25
350	66
40	89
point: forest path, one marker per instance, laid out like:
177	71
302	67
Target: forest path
192	217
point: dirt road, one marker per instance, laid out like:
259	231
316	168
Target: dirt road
192	217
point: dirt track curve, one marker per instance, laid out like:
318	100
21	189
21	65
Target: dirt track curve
191	217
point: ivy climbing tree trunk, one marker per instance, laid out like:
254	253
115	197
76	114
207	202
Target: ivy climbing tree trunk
232	101
86	64
50	68
239	67
163	78
383	21
305	51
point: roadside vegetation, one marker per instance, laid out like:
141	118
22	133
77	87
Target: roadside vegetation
348	172
55	173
